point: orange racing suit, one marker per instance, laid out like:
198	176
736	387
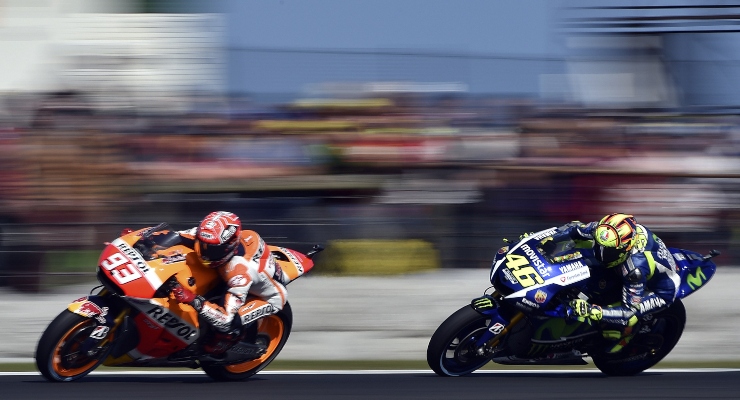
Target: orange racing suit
252	270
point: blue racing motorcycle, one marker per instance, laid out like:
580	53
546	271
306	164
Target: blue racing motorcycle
523	322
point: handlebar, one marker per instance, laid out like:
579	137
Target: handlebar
161	227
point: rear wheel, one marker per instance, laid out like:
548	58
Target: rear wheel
65	351
648	348
273	331
452	350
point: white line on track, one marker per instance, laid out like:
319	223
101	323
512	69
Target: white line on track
384	372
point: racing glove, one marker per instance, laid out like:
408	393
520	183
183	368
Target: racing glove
548	245
581	309
525	235
184	295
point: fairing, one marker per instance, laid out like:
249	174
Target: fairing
137	277
525	275
694	269
293	263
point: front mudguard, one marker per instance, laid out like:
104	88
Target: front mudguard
97	307
113	320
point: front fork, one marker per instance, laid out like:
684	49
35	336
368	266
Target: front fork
97	307
497	329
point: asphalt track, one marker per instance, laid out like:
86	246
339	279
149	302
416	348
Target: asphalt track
387	385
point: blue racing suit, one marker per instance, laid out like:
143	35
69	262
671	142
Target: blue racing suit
650	278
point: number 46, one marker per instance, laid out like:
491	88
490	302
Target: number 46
524	273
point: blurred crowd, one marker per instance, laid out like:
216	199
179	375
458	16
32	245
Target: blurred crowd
452	168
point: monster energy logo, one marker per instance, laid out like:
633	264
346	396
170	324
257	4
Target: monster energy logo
696	280
563	343
537	349
482	303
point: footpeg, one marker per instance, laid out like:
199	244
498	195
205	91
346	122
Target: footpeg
248	350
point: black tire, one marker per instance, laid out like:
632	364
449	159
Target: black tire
668	325
451	351
275	330
58	355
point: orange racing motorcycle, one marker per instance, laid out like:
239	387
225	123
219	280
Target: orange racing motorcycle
133	321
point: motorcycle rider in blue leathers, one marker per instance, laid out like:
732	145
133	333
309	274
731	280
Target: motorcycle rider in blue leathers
649	276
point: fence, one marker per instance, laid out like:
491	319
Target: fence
35	257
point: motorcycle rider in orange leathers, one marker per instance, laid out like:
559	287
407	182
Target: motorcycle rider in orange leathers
244	263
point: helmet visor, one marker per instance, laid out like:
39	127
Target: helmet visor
212	255
609	255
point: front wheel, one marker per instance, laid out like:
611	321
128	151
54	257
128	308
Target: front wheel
273	331
452	350
65	351
647	348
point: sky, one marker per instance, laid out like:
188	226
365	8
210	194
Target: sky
521	27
